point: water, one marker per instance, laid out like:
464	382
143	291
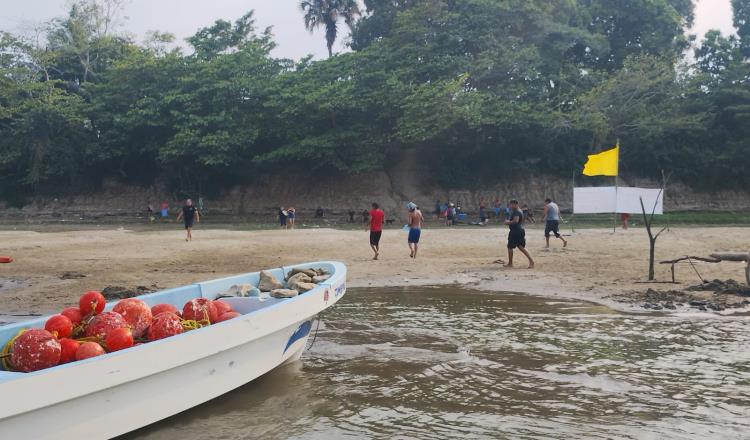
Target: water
448	363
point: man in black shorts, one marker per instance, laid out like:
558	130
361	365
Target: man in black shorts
516	234
375	226
552	221
189	214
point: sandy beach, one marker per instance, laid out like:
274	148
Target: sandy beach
53	268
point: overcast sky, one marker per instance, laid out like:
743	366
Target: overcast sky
184	17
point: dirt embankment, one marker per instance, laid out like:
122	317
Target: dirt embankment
407	180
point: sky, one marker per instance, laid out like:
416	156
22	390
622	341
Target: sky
184	17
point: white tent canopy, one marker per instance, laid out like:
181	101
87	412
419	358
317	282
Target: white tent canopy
621	200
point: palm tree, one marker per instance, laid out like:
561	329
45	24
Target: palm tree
326	13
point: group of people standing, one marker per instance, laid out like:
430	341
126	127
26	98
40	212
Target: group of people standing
287	217
515	217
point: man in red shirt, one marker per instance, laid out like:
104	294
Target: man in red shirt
376	228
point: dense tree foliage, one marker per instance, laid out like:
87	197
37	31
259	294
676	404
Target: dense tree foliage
483	89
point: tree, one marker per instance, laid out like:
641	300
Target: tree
223	37
326	14
742	23
85	42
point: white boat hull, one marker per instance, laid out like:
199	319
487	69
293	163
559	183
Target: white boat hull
123	391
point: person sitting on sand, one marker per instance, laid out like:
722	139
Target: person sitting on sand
164	210
516	234
189	214
528	214
415	228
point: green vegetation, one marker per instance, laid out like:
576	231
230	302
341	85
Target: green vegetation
483	88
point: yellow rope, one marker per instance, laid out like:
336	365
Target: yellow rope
190	324
6	353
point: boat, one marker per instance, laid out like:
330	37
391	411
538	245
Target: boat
119	392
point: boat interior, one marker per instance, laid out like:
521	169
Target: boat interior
178	296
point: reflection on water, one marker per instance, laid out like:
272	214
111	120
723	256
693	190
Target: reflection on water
435	363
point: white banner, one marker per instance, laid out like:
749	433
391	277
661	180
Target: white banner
629	200
608	199
594	200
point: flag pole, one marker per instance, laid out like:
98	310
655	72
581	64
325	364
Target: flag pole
573	211
617	184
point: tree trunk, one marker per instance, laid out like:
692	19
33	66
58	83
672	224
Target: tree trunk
651	252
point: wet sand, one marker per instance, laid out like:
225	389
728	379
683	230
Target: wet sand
53	268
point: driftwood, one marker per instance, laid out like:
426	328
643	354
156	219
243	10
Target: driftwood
714	258
737	257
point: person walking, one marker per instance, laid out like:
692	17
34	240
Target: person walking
189	214
375	226
625	220
552	221
416	220
516	234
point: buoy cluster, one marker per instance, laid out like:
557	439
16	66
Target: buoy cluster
88	331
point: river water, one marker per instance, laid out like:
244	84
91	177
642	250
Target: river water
436	363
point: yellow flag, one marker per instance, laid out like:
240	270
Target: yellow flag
605	163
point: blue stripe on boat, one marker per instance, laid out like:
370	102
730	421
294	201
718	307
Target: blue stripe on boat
302	331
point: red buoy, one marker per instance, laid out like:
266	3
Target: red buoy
89	350
161	308
6	260
200	309
74	314
136	313
34	350
119	339
103	323
92	301
164	325
69	348
222	307
227	316
60	326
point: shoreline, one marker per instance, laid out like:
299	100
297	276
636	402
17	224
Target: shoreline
53	268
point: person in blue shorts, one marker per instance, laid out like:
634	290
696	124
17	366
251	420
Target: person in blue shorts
415	228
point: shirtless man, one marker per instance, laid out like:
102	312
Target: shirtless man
552	221
516	234
415	228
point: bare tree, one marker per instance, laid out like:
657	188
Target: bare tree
648	220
